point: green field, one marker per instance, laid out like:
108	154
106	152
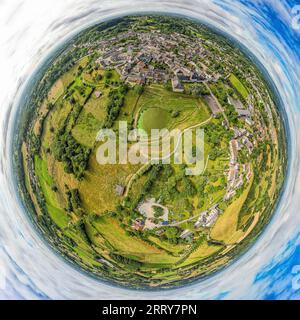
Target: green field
55	210
226	229
160	108
131	246
154	118
237	84
86	128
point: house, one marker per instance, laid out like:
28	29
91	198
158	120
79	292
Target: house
138	225
198	224
212	216
243	113
119	189
141	65
239	182
136	78
207	218
146	59
182	76
159	232
249	121
229	195
196	77
202	220
249	171
248	144
185	234
239	108
225	125
177	86
233	146
98	94
239	132
233	174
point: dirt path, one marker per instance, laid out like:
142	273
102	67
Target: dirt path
133	178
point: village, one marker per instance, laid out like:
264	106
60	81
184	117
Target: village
143	58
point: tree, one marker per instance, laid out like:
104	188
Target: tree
158	212
199	89
189	189
108	74
139	89
54	188
98	77
168	86
172	234
72	100
175	113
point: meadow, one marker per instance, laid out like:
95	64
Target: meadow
160	108
238	85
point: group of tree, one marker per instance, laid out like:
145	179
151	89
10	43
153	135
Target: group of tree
198	89
221	92
115	103
189	189
74	201
34	143
74	155
172	234
125	260
158	212
152	175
